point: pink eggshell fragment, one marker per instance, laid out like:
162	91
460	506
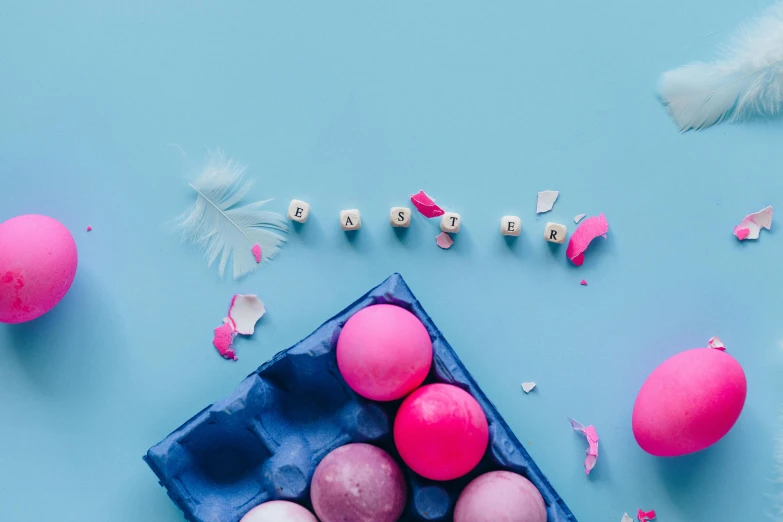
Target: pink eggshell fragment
441	432
384	352
244	313
89	228
278	511
38	262
426	205
689	402
223	339
358	483
587	230
500	496
444	240
256	252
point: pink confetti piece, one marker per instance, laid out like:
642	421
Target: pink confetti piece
444	240
583	282
753	223
645	516
256	252
592	444
89	228
426	205
716	344
224	338
587	230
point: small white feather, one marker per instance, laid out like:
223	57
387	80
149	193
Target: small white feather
747	81
224	230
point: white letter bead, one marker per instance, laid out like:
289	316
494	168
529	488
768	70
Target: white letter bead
510	225
350	219
400	217
450	222
298	210
555	233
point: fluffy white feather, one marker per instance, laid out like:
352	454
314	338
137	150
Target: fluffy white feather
746	81
225	230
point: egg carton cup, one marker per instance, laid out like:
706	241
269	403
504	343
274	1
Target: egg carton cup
264	441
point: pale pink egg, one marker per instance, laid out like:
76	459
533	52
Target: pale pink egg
500	496
384	352
358	483
441	432
689	402
37	265
278	511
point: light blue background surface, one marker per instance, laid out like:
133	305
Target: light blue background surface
359	104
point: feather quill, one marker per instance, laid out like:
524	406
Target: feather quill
221	228
746	81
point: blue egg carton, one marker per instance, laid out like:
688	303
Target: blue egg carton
264	441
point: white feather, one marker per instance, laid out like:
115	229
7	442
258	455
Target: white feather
747	81
224	230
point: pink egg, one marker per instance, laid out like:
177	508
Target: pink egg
689	402
500	496
278	511
37	266
441	432
384	352
358	483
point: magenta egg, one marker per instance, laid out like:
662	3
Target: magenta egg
384	352
689	402
37	265
358	483
500	496
278	511
441	432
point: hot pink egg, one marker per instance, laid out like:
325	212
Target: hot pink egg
689	402
441	432
37	266
500	496
384	352
278	511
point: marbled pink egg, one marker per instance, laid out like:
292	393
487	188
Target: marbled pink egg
689	402
500	496
278	511
358	483
37	265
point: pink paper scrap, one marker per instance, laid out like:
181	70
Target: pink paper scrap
426	205
753	223
444	240
89	228
256	252
587	230
583	282
645	516
716	343
592	444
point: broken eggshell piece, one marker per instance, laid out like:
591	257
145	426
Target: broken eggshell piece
245	311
